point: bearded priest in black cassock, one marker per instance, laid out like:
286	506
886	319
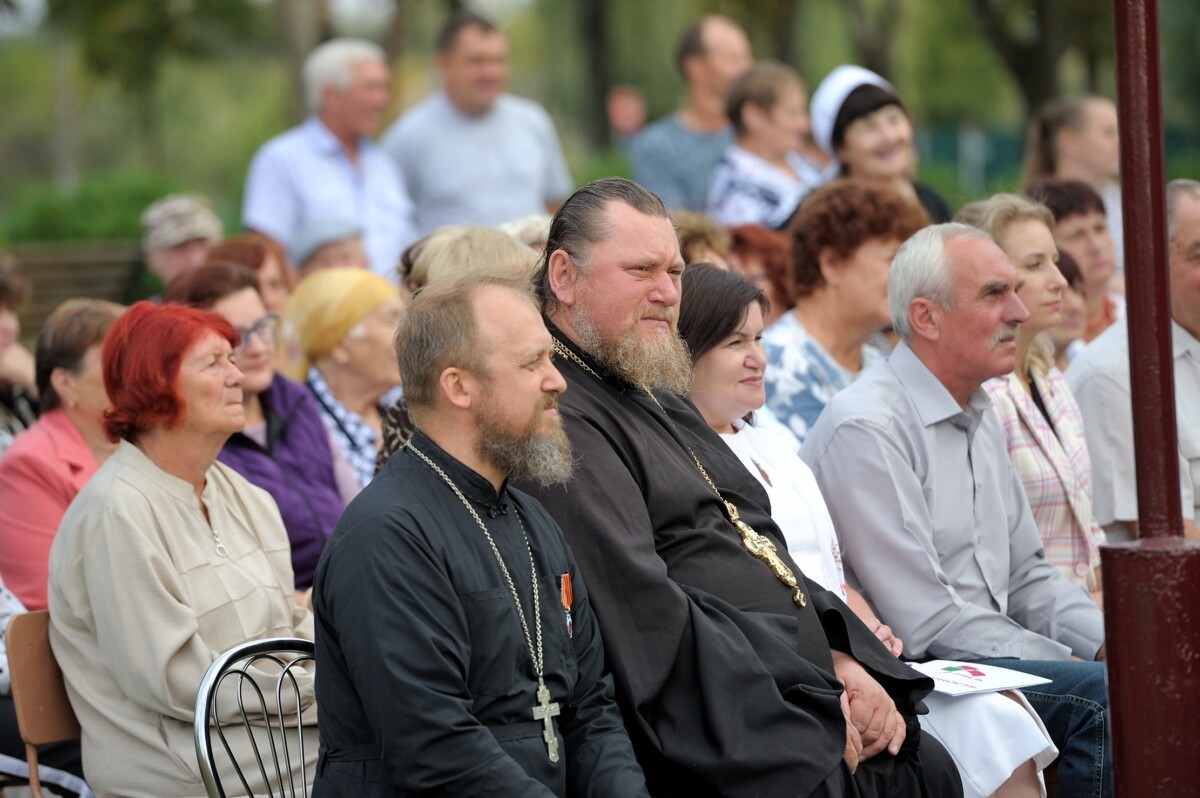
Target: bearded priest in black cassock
457	650
729	665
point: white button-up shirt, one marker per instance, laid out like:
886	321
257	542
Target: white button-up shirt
1099	377
304	176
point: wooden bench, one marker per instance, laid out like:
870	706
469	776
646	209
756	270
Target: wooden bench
94	270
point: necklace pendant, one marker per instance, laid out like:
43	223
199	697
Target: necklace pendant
545	711
800	599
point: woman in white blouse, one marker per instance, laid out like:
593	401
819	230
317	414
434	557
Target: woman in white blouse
166	558
999	747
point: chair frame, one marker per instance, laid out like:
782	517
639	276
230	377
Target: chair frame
44	715
234	664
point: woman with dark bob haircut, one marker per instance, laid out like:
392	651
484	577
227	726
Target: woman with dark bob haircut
721	319
166	558
843	240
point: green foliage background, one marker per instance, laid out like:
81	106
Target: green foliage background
178	95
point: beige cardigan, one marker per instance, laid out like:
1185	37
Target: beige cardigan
141	604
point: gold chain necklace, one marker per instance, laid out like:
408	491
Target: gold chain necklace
756	544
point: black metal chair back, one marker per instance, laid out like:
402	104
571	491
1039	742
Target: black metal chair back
269	724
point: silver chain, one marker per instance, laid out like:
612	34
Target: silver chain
535	653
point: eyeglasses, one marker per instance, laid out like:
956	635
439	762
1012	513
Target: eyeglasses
265	328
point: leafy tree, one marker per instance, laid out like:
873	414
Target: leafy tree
1031	37
129	40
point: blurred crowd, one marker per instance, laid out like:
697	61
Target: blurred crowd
171	473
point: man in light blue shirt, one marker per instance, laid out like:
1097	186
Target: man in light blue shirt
472	154
675	156
328	168
935	527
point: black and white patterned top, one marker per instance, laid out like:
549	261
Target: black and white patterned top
354	436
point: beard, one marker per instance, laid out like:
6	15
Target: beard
536	453
660	362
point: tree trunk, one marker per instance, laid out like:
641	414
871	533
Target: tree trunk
66	115
593	19
393	37
303	24
1033	62
873	33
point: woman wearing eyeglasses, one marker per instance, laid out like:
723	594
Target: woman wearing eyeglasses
284	448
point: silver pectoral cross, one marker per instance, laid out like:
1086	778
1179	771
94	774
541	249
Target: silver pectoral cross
545	711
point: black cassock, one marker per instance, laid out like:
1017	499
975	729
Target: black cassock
425	682
727	686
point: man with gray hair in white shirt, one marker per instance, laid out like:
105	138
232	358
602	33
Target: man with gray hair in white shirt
935	527
328	168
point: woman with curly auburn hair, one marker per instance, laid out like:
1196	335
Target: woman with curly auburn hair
166	558
842	243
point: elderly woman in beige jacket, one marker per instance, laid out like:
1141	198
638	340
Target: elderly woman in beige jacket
166	557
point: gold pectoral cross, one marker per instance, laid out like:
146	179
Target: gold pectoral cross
762	548
545	711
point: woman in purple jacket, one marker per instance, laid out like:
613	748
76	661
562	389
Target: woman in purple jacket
284	448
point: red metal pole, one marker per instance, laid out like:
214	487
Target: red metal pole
1151	586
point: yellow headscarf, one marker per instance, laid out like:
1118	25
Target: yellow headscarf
325	306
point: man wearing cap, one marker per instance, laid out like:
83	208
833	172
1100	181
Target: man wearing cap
328	167
675	156
472	153
177	233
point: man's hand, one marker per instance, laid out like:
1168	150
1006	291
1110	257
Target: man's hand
854	744
872	711
885	635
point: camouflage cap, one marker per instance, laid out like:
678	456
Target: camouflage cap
177	218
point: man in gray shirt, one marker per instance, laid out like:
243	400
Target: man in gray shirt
935	527
472	153
675	156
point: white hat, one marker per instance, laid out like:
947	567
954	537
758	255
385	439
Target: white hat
828	98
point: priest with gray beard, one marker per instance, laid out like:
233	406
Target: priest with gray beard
457	648
736	675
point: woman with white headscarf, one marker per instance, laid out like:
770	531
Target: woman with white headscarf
857	118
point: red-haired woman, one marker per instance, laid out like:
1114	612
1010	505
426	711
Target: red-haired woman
166	557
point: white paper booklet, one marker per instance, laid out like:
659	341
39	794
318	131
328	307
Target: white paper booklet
964	678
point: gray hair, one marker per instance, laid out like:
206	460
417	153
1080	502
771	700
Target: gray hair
584	220
921	269
332	64
1176	189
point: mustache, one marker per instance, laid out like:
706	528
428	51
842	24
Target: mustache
1006	333
661	313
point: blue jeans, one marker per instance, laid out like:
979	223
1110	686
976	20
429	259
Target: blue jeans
1074	708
